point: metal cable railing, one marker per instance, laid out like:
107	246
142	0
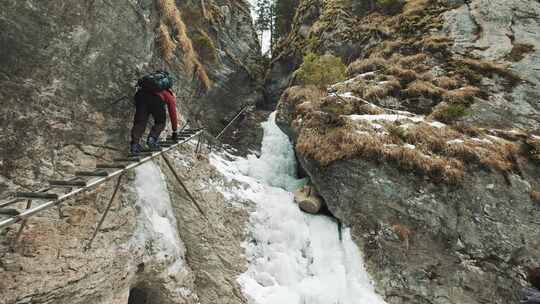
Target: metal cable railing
97	177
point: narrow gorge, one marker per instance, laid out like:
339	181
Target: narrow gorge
410	128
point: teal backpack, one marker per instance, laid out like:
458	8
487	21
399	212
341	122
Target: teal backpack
155	82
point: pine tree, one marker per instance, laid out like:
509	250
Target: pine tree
284	14
274	16
262	18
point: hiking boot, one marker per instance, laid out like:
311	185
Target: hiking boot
135	149
153	143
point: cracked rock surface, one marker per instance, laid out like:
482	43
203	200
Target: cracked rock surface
509	32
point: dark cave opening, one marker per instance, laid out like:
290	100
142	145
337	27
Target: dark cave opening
138	295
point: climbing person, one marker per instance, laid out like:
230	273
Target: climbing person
531	295
154	93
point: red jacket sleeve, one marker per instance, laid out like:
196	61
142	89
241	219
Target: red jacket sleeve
170	100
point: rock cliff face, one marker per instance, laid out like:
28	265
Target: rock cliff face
64	67
154	247
67	73
427	150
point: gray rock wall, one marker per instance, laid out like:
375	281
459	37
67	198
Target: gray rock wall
508	32
130	255
63	67
427	243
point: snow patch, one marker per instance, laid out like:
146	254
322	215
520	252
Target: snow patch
156	224
496	138
481	140
455	142
348	95
386	117
437	124
409	146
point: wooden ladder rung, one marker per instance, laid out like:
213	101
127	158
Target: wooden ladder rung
10	212
97	173
37	195
67	183
128	159
141	154
111	166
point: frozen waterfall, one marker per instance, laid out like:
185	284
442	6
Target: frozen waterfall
294	258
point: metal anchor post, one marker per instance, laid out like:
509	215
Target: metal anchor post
89	245
183	186
23	225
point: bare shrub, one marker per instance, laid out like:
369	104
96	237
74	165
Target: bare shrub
321	71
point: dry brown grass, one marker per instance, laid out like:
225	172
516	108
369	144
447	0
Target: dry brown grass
366	65
396	132
436	43
463	95
382	90
533	145
390	47
448	112
411	62
446	82
415	7
535	197
327	145
369	109
375	92
430	138
500	157
166	44
432	156
489	68
439	169
167	9
426	76
497	156
464	151
297	95
420	88
338	105
519	51
403	233
171	15
405	76
335	144
467	129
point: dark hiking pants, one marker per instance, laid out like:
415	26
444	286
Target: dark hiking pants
146	105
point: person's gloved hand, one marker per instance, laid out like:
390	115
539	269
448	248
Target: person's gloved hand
175	136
